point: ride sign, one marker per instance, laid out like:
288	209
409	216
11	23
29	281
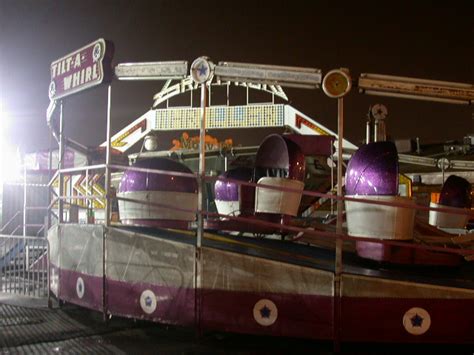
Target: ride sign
85	68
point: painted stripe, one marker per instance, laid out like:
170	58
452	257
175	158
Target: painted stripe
371	287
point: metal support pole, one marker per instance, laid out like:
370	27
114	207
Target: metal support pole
107	207
340	204
107	160
202	164
200	216
50	174
24	199
61	164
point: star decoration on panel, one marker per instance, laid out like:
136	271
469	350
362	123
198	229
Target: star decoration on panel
148	301
416	321
201	70
265	312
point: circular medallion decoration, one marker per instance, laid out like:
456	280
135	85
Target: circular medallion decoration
201	70
416	321
337	83
443	164
265	312
80	288
148	301
379	111
96	52
52	89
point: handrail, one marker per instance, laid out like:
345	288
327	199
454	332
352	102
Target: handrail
40	230
10	220
75	170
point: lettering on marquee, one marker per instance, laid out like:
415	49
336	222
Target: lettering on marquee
85	68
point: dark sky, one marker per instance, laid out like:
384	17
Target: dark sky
432	40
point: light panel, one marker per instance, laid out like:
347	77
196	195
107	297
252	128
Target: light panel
152	70
413	88
307	78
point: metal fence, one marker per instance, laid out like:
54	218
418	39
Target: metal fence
24	265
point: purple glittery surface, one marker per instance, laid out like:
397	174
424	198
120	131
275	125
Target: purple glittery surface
228	190
149	181
456	192
373	170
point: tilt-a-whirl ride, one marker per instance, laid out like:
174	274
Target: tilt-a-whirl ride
248	239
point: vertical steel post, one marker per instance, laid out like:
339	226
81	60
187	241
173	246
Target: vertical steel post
24	199
339	242
61	164
107	205
202	164
200	216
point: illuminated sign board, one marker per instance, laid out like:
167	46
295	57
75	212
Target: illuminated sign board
85	68
221	117
152	70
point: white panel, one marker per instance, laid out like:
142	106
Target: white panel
236	272
229	208
134	257
379	221
447	220
275	201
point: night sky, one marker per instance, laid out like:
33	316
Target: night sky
421	39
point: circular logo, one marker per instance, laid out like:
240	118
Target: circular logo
148	301
96	52
443	163
416	321
265	312
201	70
52	89
80	289
337	83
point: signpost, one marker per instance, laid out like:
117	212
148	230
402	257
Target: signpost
82	69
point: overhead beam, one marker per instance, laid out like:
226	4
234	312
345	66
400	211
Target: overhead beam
413	88
306	78
152	70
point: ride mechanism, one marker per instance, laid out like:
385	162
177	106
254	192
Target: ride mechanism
172	260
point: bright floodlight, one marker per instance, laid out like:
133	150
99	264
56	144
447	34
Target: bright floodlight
10	162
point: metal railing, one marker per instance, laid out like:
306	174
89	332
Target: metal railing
24	265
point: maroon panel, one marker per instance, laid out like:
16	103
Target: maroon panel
312	145
369	319
174	305
304	316
92	297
